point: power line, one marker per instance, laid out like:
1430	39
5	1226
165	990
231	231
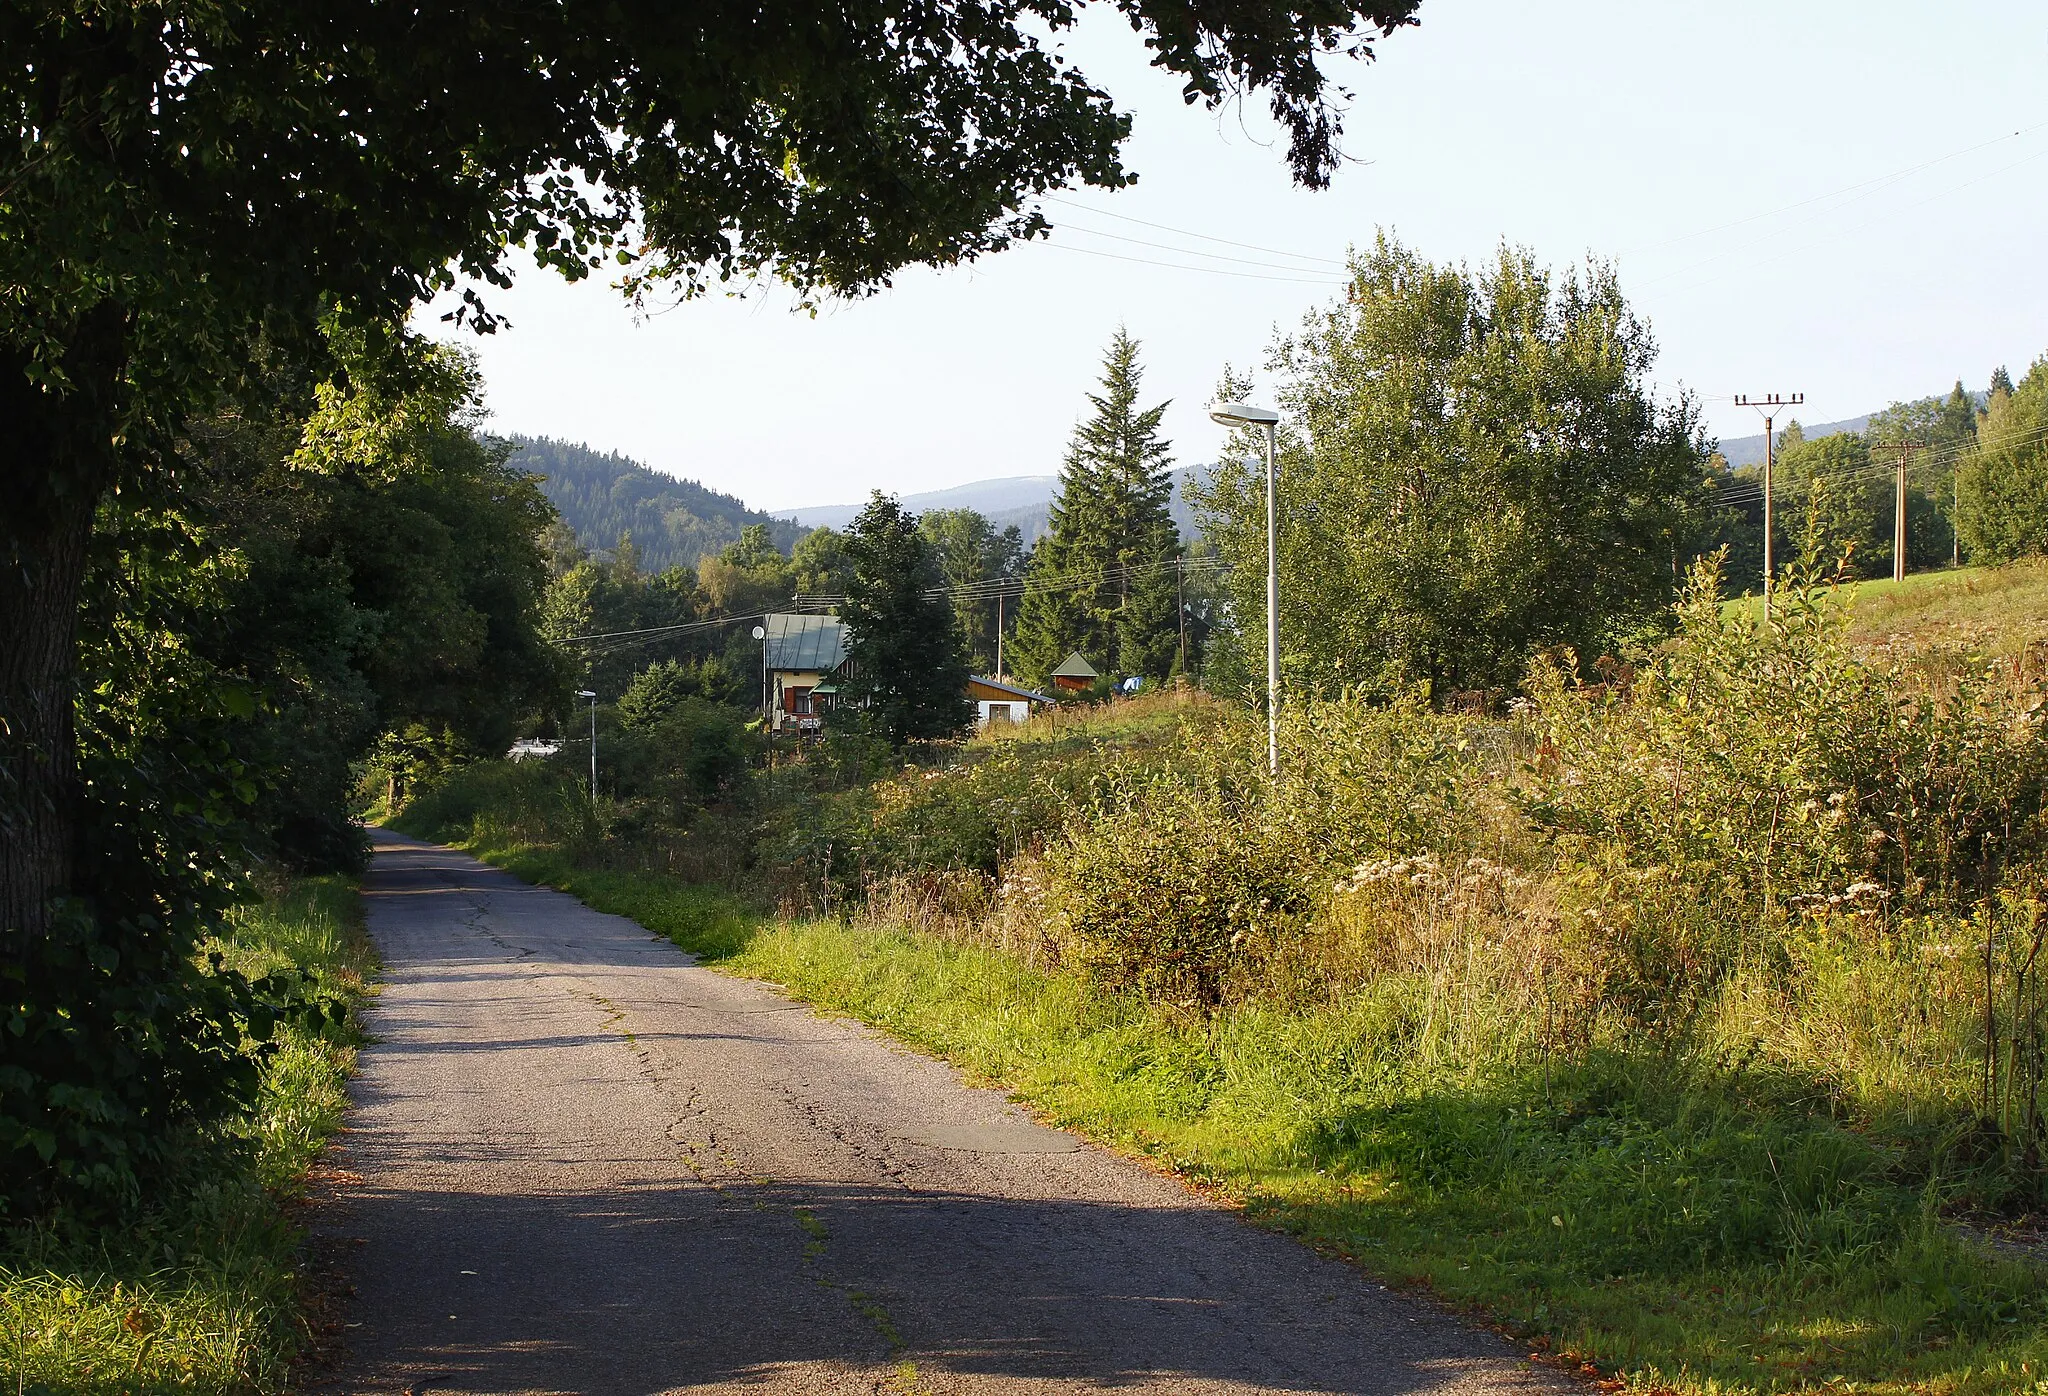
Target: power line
1748	491
1188	233
1184	251
1176	266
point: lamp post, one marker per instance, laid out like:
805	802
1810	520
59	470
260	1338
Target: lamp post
1243	414
586	693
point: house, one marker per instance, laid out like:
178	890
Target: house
997	701
799	653
1075	674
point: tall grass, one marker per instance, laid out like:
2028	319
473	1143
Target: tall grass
199	1290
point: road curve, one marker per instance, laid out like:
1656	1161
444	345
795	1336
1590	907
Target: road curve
579	1163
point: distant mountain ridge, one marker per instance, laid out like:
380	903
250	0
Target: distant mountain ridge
1022	500
605	495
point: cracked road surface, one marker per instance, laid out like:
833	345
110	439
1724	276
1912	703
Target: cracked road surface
586	1165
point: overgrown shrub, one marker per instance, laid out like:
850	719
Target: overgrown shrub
1168	884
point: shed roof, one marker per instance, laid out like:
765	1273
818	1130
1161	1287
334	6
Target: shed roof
1075	667
805	642
1006	687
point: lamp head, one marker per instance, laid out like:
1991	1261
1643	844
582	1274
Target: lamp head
1243	414
585	693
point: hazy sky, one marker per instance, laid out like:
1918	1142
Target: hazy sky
1822	197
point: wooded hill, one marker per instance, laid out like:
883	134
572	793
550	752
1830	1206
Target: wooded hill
603	496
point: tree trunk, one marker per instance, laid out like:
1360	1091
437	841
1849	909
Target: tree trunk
60	458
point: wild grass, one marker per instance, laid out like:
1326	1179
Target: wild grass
199	1289
1993	612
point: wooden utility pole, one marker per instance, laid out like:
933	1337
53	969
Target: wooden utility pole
1180	608
1768	406
1905	451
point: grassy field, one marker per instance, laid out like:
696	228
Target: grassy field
1652	1225
201	1292
1995	611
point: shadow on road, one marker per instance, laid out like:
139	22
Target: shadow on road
654	1289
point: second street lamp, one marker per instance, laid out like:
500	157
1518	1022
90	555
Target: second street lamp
586	693
1244	414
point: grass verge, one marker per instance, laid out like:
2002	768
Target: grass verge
200	1292
1684	1234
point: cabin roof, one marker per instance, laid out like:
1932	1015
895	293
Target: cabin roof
1005	687
805	642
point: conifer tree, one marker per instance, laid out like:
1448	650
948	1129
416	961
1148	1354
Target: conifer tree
909	668
1101	580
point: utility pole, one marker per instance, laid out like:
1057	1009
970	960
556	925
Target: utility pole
1905	450
586	693
1768	406
1180	609
999	634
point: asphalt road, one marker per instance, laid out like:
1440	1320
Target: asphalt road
587	1165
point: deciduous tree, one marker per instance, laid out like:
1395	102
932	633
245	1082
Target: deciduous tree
1475	468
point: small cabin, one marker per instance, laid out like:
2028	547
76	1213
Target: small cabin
996	700
1074	675
799	656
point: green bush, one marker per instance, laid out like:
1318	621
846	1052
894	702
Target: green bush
1168	886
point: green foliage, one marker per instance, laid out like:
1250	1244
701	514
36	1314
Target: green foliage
2004	481
357	564
1476	469
977	562
1830	507
1166	888
506	801
605	498
908	670
199	1288
685	755
1101	581
595	596
820	564
1760	766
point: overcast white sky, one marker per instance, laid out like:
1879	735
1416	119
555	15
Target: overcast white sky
1750	165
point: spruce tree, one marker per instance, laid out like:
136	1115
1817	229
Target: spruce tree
1101	580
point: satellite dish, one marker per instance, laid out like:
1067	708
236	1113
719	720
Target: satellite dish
760	632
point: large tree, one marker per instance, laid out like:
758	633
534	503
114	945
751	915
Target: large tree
1102	579
1474	468
907	663
2004	478
188	177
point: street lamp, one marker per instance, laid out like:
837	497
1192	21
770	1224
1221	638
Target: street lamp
1243	414
586	693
